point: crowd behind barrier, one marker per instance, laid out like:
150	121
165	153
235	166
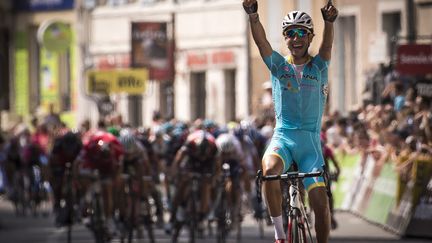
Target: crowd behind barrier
385	152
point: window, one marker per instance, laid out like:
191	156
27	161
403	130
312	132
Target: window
391	25
135	110
347	63
230	97
198	95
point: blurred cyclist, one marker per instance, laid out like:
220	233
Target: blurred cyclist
197	155
231	153
102	152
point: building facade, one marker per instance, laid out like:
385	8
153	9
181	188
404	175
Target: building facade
43	58
208	67
212	79
209	57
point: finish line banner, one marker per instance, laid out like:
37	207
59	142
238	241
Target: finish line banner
130	81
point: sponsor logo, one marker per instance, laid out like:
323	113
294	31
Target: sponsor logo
275	149
325	89
286	76
310	77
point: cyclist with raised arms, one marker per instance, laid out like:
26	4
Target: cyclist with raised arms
299	88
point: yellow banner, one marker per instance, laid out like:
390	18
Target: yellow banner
130	81
49	79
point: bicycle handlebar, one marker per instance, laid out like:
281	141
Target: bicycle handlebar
288	175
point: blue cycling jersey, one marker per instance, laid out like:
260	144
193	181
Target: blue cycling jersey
298	103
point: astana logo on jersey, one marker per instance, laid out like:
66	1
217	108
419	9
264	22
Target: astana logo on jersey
310	77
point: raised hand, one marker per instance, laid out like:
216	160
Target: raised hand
329	12
250	6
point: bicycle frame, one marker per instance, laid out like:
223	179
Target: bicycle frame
94	197
192	205
296	213
221	206
133	201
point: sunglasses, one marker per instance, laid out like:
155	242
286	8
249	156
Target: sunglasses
300	33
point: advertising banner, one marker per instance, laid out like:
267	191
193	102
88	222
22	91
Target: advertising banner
424	89
152	49
49	79
42	5
21	74
342	187
130	81
421	219
413	217
383	195
55	36
414	59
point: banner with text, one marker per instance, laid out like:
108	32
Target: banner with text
414	59
42	5
130	81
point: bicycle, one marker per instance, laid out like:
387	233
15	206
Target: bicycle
65	215
298	228
95	209
227	215
21	192
192	203
131	195
39	191
259	213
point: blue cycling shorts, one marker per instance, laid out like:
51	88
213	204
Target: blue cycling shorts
303	147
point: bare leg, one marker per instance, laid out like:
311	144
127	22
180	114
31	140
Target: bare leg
320	205
273	165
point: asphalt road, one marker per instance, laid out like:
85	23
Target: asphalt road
42	230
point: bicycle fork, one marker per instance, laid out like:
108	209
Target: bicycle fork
297	222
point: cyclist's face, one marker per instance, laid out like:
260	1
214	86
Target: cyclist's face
298	40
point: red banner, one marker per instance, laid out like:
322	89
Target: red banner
414	59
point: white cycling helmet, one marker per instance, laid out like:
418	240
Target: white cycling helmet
297	18
128	141
227	143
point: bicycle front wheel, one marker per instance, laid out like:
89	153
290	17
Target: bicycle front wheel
296	231
222	220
